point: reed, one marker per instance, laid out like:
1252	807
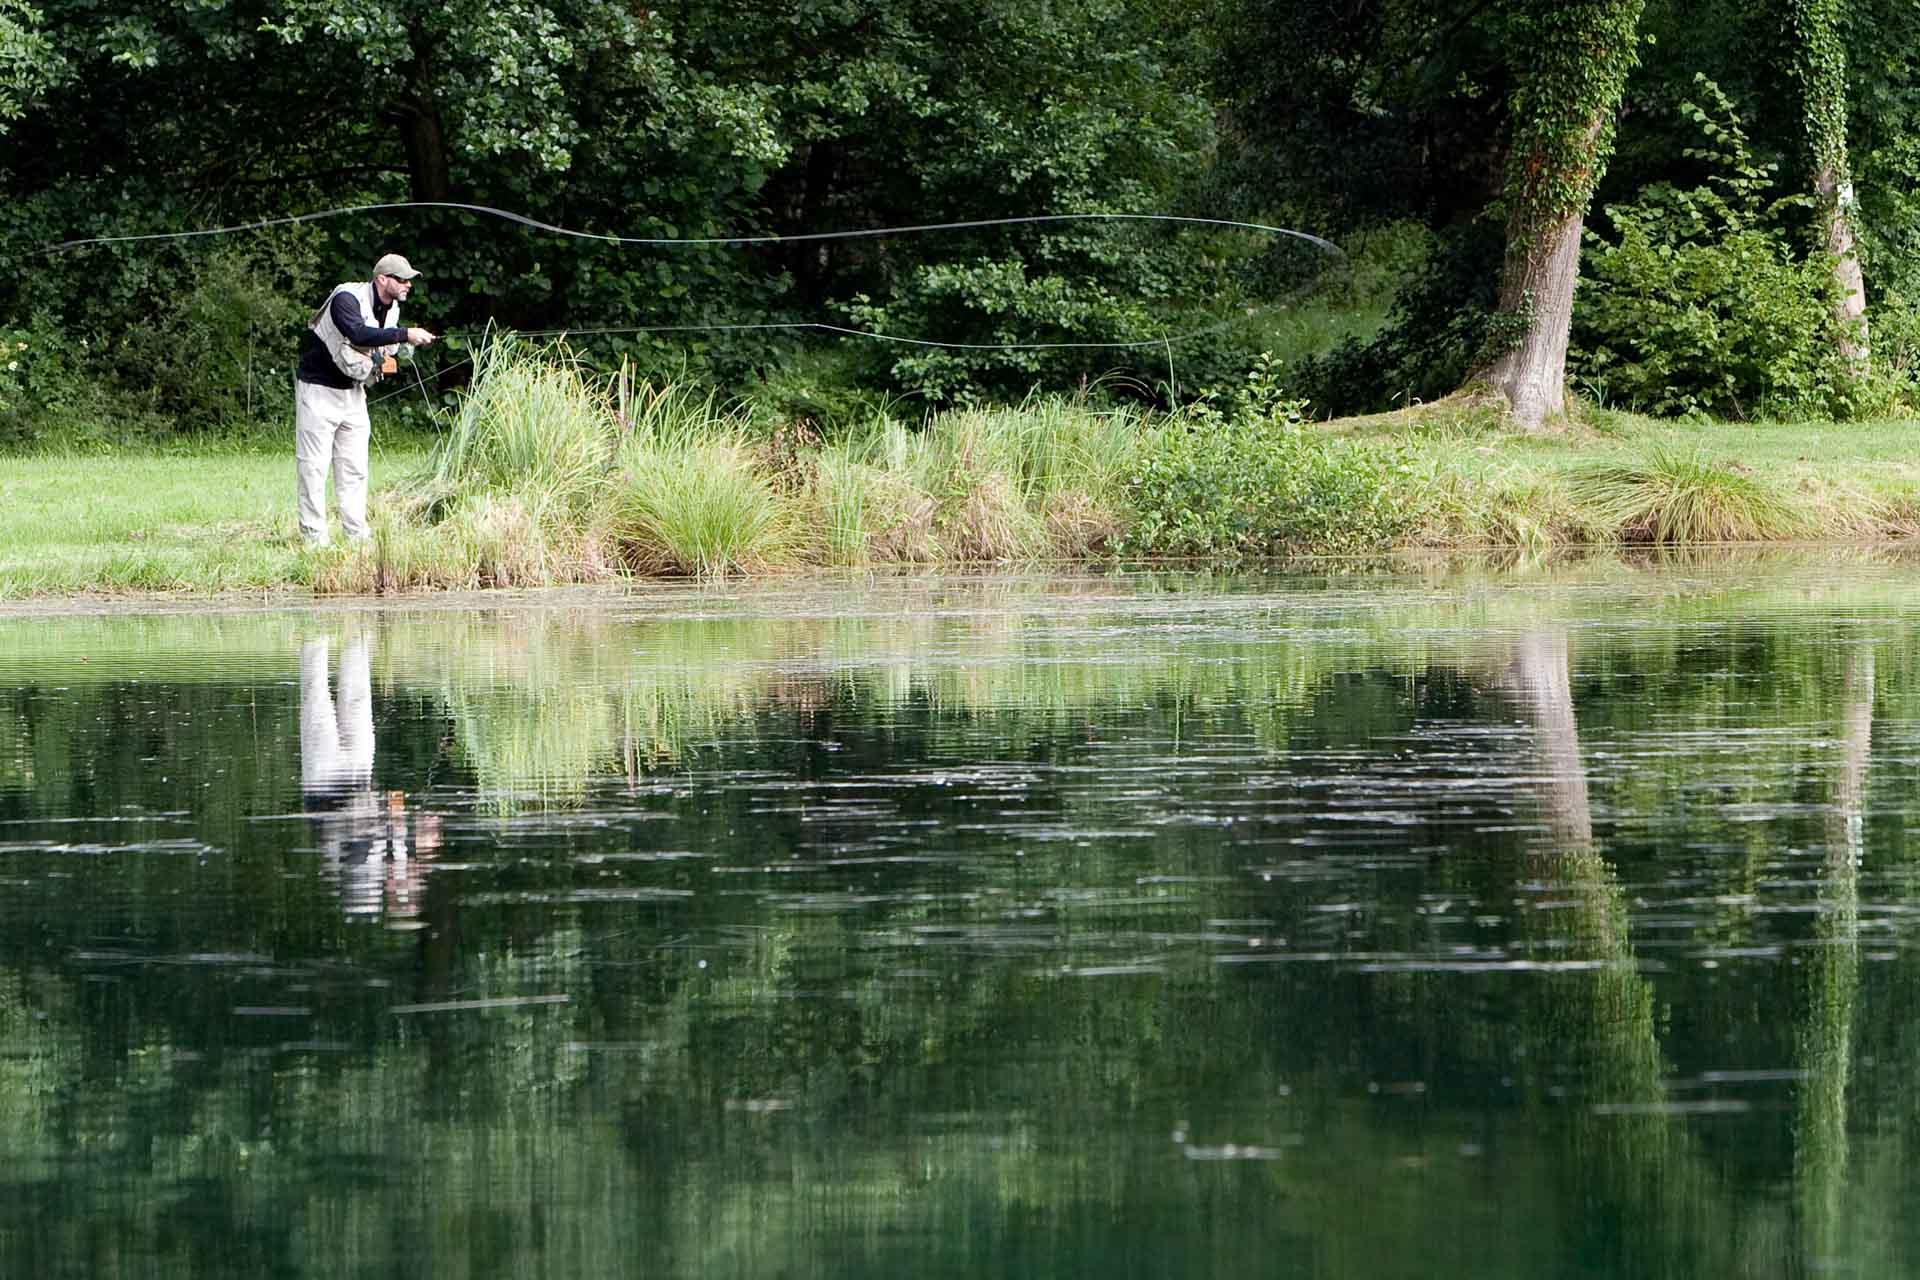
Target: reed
701	508
531	422
1684	496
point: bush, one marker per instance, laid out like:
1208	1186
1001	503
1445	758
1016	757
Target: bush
218	357
1700	304
1888	182
224	353
1076	288
1252	480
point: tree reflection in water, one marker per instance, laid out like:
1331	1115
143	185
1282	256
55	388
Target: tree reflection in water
1831	981
901	941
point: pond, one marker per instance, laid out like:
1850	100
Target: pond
1430	920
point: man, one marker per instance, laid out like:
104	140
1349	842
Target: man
349	345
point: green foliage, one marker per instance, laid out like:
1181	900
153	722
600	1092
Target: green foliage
1093	304
1888	224
819	391
1701	304
1021	483
182	348
1347	116
1683	496
1574	57
1820	65
672	121
219	355
34	380
29	63
1439	322
1252	479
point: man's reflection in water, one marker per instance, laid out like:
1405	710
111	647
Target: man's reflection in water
371	845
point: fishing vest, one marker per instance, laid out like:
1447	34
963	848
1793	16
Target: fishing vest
360	364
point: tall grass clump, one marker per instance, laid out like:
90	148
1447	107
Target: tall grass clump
870	514
515	491
530	423
1035	481
1684	496
694	496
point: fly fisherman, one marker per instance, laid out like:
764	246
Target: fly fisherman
349	346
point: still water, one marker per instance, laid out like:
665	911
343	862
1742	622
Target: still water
1556	921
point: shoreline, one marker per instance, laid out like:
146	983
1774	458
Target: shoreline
1520	565
994	491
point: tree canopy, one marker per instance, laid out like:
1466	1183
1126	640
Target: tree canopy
696	120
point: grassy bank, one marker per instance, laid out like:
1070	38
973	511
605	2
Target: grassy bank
548	476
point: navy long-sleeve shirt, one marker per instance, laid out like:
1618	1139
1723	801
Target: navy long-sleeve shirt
316	365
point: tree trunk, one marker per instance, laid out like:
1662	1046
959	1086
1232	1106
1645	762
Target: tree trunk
423	133
1820	63
1850	302
1537	284
1573	57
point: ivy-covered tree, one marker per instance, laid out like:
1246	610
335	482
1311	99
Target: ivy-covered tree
1573	60
1820	62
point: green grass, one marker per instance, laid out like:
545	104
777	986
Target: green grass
530	426
219	521
1502	486
701	508
1685	496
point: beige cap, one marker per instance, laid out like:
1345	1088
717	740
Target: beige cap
396	266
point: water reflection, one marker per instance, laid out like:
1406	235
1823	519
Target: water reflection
1831	984
1144	926
374	847
1592	1016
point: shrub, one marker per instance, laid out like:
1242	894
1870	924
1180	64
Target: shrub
112	376
224	355
1254	480
1126	285
1700	304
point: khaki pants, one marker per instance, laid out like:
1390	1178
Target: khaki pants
330	427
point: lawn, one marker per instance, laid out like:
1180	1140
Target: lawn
221	520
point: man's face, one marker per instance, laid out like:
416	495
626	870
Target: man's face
393	288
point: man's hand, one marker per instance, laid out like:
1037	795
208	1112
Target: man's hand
418	337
